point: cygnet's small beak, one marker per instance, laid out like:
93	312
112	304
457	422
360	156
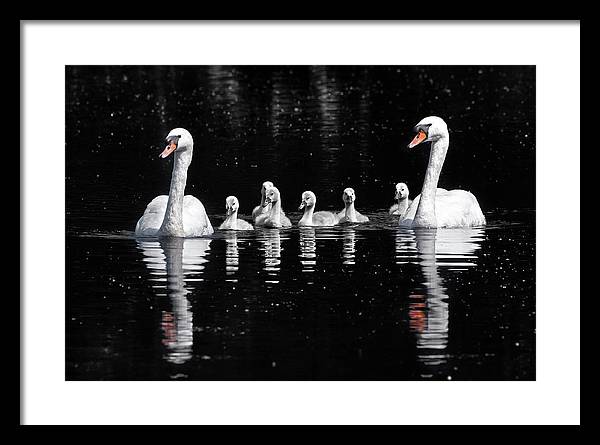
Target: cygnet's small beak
228	210
267	201
302	205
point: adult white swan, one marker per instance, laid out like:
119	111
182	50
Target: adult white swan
176	214
437	207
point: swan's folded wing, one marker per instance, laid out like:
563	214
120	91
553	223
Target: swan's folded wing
458	208
152	218
324	218
260	219
256	212
244	225
149	224
195	219
157	205
285	221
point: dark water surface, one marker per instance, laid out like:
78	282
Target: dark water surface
369	301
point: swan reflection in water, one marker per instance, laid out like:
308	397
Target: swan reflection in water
452	249
178	262
232	255
271	247
308	249
349	245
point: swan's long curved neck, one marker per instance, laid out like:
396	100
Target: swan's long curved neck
172	224
350	211
425	214
308	214
263	208
231	219
275	212
402	205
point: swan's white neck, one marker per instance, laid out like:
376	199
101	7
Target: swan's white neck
172	224
231	220
402	205
307	218
350	211
275	212
425	215
263	208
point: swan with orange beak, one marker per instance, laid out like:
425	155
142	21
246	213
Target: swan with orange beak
438	207
176	214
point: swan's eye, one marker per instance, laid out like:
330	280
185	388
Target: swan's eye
173	140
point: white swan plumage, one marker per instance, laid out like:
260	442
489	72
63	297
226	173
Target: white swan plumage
402	201
312	218
232	205
261	208
437	207
274	218
176	214
350	214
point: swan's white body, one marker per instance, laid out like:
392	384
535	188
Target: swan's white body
350	214
437	207
232	222
195	220
312	218
274	218
176	214
453	208
402	201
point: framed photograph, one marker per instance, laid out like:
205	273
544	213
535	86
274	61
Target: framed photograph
317	230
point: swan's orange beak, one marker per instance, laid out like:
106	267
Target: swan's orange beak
420	137
168	150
